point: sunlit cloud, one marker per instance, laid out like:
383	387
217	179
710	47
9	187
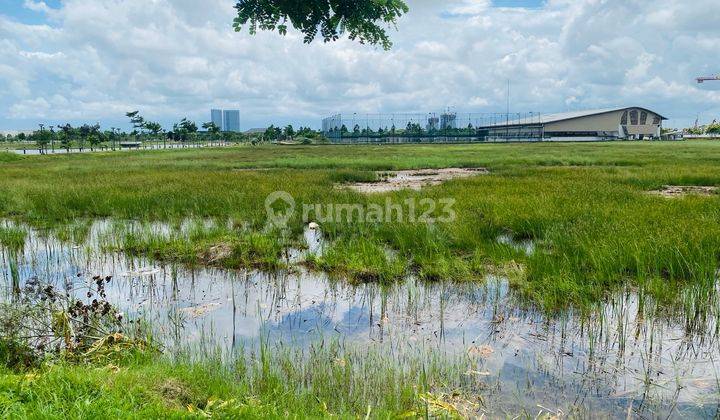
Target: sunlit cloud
92	60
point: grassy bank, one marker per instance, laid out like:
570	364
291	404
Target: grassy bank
585	206
326	381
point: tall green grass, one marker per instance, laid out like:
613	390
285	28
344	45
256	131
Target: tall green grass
198	244
12	237
327	380
585	205
9	157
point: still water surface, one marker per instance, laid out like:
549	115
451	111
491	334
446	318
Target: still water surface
617	359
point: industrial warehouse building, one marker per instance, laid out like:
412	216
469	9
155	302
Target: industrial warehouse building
604	124
633	123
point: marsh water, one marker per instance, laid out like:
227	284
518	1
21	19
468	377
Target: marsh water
619	360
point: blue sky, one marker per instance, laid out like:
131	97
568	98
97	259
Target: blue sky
93	60
518	3
16	10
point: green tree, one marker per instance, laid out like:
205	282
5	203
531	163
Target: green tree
84	131
42	139
94	136
413	129
289	132
64	141
137	121
173	134
154	128
187	129
112	137
272	133
713	128
360	19
213	129
65	136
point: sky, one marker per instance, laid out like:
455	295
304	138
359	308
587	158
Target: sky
92	61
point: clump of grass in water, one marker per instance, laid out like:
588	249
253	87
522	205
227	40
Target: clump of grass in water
360	259
216	245
13	238
76	232
430	251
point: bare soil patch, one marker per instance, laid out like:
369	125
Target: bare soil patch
413	179
216	253
674	191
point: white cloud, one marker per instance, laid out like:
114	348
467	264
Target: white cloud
96	59
37	6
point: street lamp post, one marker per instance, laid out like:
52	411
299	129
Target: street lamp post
41	148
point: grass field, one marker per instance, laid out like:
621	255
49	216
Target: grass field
585	205
323	383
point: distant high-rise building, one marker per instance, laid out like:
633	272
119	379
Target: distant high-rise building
216	116
231	120
448	121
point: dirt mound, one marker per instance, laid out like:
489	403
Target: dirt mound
216	254
673	191
413	179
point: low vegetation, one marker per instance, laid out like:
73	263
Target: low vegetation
320	383
585	206
66	357
566	224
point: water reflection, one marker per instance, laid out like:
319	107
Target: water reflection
620	357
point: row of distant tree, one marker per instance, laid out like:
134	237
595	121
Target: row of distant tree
185	131
303	134
411	129
713	129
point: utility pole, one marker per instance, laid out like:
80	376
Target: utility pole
42	146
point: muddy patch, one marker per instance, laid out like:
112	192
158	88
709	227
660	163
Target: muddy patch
673	191
200	311
413	179
216	254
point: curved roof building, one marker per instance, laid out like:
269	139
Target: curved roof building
614	123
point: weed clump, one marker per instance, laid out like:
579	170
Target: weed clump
12	238
360	259
44	322
16	355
